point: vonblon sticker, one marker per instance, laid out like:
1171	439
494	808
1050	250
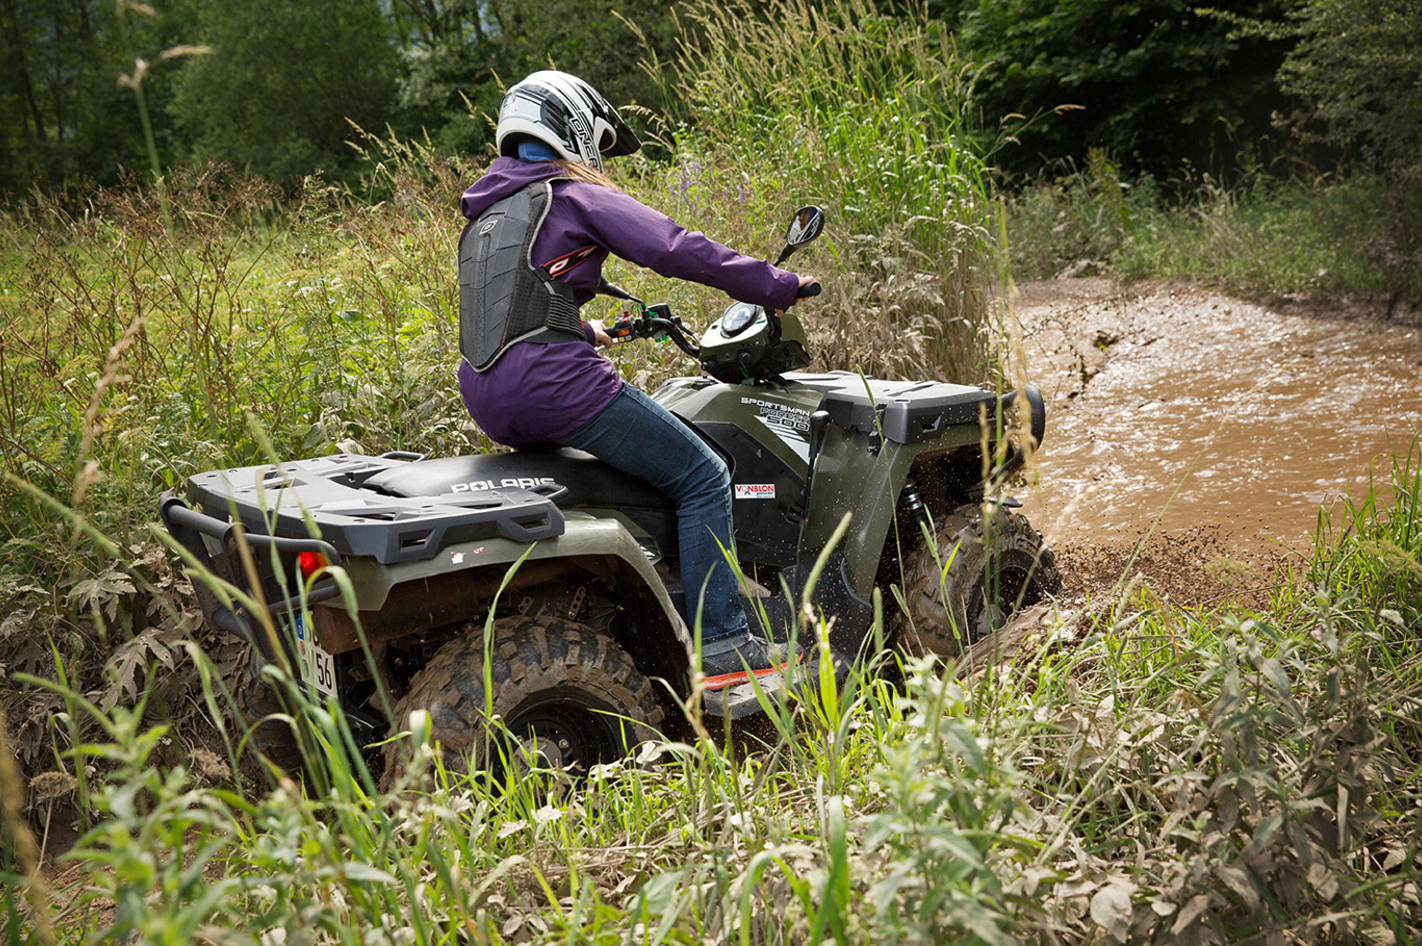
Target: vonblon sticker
755	490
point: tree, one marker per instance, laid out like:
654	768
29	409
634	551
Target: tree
283	78
1358	76
1156	82
462	50
63	115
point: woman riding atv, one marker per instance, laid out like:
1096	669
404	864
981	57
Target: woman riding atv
543	218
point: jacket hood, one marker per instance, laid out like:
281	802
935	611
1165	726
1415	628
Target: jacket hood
504	177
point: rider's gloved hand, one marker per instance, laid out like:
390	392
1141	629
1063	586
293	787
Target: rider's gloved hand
807	281
600	338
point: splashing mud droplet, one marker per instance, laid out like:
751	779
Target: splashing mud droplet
1218	416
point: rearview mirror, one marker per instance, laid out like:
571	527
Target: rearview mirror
804	227
606	288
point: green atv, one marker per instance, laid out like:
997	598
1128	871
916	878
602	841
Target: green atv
595	611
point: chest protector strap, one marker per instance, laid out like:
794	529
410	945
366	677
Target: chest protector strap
503	297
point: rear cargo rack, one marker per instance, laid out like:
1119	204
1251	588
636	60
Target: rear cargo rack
271	509
326	492
188	527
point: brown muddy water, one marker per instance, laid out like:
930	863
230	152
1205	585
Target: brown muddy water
1221	425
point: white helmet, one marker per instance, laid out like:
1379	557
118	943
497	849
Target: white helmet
565	113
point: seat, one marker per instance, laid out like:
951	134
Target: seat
588	481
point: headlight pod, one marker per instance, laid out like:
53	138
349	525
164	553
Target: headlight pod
738	318
736	342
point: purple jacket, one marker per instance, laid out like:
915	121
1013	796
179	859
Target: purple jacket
540	393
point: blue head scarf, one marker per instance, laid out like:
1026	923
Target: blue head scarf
531	149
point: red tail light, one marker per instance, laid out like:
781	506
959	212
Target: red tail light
310	563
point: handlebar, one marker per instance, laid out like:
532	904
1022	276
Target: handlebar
654	322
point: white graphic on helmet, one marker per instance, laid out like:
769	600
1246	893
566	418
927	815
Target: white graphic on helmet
565	113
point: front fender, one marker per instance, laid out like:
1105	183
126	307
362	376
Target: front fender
1037	422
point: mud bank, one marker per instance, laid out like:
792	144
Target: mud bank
1223	425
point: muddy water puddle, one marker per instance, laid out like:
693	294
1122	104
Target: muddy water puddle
1229	423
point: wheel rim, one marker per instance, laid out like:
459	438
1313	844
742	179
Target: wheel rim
1010	578
565	729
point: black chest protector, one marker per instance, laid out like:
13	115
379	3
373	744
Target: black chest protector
503	297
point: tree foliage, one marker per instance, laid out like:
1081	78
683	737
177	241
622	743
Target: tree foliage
1357	73
282	80
63	116
1154	82
463	54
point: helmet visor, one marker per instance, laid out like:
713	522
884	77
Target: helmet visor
618	139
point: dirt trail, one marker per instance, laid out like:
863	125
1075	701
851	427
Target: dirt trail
1256	414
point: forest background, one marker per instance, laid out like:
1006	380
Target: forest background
1095	115
92	89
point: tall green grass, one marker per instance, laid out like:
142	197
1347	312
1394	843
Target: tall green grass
789	102
133	352
1135	773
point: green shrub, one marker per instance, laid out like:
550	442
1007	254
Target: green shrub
1354	235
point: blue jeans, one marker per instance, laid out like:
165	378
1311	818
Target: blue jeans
638	436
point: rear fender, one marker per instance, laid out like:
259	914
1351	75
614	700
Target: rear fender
868	482
394	600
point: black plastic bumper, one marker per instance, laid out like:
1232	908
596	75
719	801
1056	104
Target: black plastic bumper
188	526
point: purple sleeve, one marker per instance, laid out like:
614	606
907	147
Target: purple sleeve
641	235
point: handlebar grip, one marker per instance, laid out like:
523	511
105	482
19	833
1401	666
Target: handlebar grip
807	290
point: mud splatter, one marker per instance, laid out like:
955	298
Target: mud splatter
1216	424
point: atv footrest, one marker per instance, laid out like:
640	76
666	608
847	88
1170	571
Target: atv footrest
739	701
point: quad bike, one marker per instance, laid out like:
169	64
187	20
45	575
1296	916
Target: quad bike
595	610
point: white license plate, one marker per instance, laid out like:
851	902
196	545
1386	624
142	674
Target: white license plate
317	667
